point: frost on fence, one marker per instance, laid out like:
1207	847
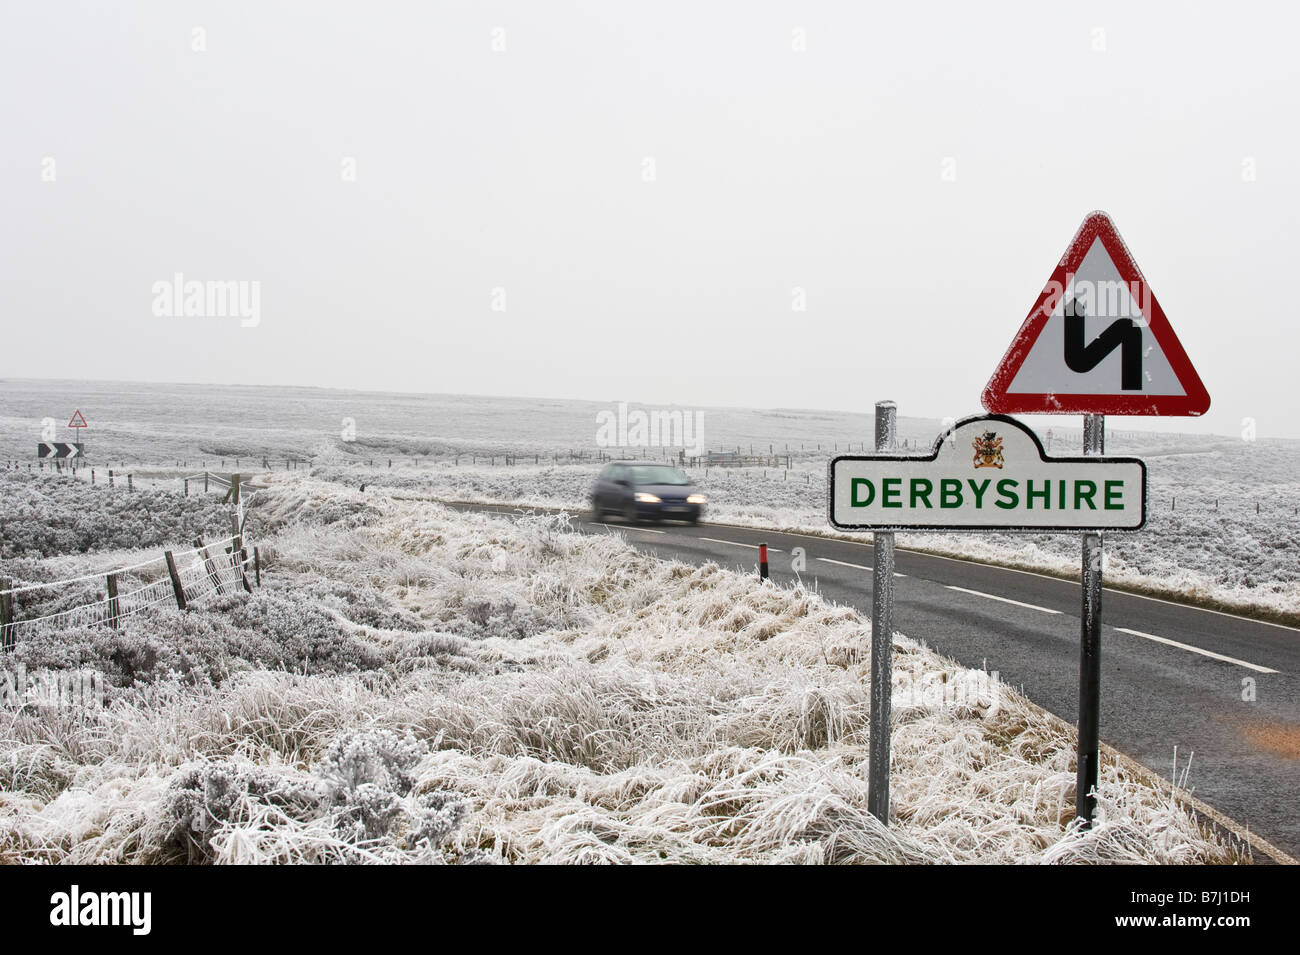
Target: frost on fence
212	570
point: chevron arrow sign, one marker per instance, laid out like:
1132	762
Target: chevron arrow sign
57	449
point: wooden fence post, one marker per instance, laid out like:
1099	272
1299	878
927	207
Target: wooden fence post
112	601
176	579
6	611
210	567
238	556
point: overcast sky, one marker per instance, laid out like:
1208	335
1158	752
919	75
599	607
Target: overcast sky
626	201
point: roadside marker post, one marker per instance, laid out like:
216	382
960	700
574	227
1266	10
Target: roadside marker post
762	562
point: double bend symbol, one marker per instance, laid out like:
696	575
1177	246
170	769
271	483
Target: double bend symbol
1123	334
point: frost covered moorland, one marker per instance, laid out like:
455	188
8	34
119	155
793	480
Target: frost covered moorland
413	684
1204	540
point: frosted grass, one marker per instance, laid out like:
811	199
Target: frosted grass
517	693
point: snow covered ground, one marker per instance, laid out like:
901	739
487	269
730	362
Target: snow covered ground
1224	525
1203	541
416	684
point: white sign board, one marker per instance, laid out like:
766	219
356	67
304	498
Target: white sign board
987	473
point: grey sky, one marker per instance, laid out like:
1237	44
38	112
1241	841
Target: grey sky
523	170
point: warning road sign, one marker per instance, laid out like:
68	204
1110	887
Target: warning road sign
987	473
1096	341
56	449
77	420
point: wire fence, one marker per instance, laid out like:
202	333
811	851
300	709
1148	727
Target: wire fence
173	579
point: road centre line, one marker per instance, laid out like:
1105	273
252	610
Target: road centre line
715	540
1191	649
1005	600
845	563
842	563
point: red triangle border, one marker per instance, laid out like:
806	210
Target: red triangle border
995	398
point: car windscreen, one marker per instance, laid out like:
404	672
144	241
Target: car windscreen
656	474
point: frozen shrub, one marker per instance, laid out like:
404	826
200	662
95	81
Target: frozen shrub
437	816
50	514
501	615
366	812
380	757
366	774
134	655
360	603
202	801
303	637
359	792
415	651
348	512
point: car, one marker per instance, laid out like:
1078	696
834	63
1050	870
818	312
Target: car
646	490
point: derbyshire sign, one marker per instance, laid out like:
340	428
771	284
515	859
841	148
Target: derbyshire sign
987	473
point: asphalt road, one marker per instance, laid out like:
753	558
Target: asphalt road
1172	675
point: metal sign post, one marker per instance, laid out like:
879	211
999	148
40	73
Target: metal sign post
1085	800
882	637
987	472
1095	343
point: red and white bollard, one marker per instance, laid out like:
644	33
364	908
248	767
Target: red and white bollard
762	562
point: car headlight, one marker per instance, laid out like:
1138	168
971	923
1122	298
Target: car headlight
696	499
644	498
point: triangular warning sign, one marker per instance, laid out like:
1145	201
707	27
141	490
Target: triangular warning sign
1096	341
77	420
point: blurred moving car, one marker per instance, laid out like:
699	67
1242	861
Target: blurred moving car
646	490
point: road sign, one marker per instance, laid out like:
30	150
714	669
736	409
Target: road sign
57	449
77	420
1096	341
986	473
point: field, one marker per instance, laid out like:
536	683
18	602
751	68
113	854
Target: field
1224	515
1204	540
414	684
417	684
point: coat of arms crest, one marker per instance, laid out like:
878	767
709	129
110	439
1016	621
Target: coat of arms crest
988	451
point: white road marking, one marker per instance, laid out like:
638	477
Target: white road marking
714	540
1027	573
845	563
944	556
1005	600
842	563
628	527
1191	649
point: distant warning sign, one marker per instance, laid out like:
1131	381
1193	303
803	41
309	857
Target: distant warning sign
57	449
1096	341
987	473
77	420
